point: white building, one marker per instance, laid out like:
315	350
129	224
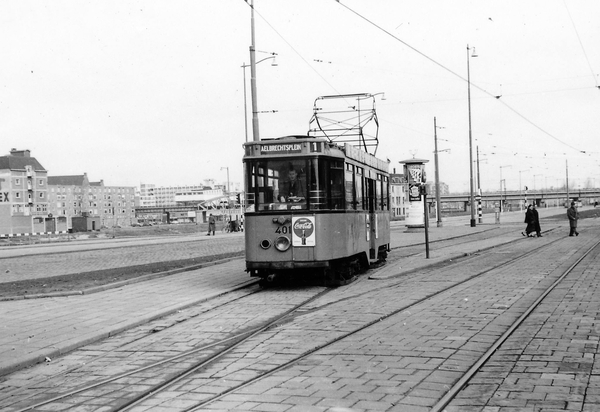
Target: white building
198	195
151	195
399	196
156	196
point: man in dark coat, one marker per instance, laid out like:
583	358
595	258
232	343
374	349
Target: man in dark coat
212	222
573	216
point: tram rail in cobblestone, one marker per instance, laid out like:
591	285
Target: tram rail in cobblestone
228	343
340	338
451	394
287	317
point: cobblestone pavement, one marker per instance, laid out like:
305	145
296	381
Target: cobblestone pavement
408	361
34	330
404	362
552	362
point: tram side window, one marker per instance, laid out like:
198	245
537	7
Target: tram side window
316	188
379	193
385	193
249	189
336	179
349	179
358	181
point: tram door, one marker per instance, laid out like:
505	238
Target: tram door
371	217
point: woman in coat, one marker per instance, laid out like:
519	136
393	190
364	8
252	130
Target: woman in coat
536	221
530	220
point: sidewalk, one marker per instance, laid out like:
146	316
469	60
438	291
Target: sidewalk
34	330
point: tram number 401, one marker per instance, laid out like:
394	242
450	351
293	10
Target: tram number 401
283	230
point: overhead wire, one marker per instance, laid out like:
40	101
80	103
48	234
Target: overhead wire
291	47
459	76
581	44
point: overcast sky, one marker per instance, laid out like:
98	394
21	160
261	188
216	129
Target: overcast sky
152	91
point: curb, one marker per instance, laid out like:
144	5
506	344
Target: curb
40	355
114	285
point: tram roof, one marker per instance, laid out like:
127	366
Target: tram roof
295	145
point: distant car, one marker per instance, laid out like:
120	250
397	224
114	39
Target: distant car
136	225
146	224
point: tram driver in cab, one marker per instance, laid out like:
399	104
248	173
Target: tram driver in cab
293	188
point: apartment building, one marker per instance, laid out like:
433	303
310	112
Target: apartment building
75	196
24	197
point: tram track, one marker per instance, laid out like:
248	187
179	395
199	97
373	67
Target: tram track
219	348
461	383
405	251
353	332
304	309
289	318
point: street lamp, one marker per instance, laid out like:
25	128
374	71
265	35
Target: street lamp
244	66
227	167
438	203
253	63
470	137
521	189
534	187
501	208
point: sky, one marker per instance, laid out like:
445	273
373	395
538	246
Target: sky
152	91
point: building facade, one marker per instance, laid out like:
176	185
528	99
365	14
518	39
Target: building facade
151	195
75	196
24	197
399	196
156	196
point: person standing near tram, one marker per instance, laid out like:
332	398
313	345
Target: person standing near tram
212	223
573	216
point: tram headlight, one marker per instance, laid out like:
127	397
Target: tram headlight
282	243
265	244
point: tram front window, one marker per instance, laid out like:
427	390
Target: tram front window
281	184
295	184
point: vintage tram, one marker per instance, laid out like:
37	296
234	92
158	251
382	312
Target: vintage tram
314	208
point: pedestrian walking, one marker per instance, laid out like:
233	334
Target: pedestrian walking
573	216
536	221
529	219
212	222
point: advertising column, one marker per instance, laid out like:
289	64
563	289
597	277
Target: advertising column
414	170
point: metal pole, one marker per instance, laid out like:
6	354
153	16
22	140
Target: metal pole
437	178
255	134
426	217
567	182
245	105
479	210
470	142
520	192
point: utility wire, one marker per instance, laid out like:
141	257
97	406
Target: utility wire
459	76
581	44
292	47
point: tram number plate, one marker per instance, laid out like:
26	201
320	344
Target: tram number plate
283	230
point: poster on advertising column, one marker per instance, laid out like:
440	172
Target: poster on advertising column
414	194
